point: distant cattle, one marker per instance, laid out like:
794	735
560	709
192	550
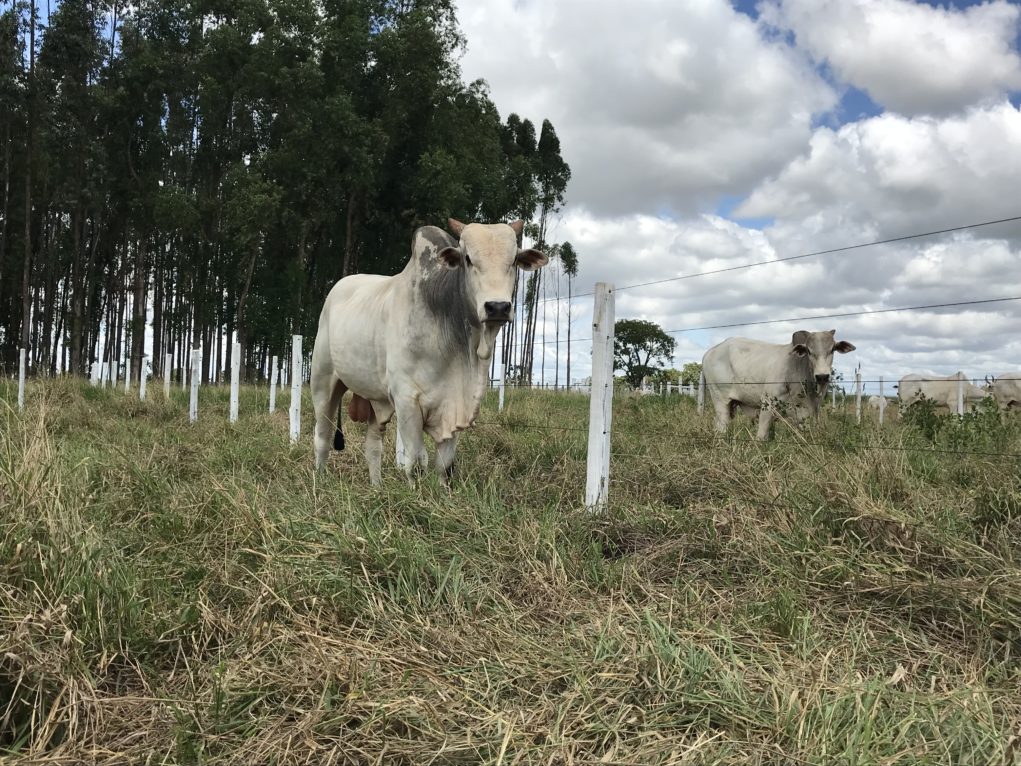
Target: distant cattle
940	390
417	344
1005	389
874	402
761	378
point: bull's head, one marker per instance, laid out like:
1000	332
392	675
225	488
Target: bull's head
490	257
817	348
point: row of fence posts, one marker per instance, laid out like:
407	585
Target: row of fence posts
600	404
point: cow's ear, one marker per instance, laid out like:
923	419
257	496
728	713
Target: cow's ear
530	260
518	227
843	347
455	226
800	349
800	337
451	256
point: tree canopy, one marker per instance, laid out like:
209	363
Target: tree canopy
637	345
209	170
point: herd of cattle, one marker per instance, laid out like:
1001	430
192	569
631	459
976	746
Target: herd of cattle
417	346
764	379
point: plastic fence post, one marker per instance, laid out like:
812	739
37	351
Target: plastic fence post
235	381
196	376
274	372
296	367
601	402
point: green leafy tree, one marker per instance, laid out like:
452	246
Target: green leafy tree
637	345
690	373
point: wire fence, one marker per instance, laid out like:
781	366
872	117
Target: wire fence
856	439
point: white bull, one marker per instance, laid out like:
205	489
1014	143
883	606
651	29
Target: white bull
940	390
1005	389
417	344
755	376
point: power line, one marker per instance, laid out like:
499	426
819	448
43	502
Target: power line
846	314
841	315
801	256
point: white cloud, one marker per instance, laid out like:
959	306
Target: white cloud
910	57
665	112
658	104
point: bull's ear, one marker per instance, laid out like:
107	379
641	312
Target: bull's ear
799	338
800	349
451	256
530	260
518	227
843	347
455	226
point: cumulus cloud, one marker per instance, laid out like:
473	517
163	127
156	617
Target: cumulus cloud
910	57
659	105
669	114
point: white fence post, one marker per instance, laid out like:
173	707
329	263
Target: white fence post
833	396
142	380
601	401
857	395
235	381
882	401
127	375
295	388
502	385
960	393
196	375
22	361
701	392
273	372
94	374
168	361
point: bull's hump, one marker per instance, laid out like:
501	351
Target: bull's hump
436	237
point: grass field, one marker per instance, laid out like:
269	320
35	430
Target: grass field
195	593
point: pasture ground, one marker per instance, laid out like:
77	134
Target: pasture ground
195	593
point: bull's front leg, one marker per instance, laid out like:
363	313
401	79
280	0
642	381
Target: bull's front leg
445	459
374	450
765	421
409	426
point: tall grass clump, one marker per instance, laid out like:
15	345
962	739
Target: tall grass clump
175	592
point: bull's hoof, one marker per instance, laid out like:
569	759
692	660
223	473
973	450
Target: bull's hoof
338	440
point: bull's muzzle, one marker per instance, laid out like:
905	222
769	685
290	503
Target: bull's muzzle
497	311
822	379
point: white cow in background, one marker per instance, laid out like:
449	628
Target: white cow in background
940	390
417	344
1005	389
756	377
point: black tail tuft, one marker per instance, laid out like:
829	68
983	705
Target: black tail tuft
338	440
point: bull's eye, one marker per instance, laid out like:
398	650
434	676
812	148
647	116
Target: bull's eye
467	260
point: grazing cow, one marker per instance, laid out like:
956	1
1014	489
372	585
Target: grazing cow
754	376
1005	389
941	391
417	344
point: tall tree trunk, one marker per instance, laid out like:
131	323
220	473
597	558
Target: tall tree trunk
26	272
350	264
570	279
138	320
4	211
242	327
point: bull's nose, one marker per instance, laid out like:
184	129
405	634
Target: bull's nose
497	309
820	379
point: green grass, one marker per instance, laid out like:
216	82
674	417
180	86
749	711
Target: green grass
194	593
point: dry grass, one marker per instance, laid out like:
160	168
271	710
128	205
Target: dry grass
179	593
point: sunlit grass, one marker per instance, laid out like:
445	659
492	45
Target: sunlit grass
194	593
